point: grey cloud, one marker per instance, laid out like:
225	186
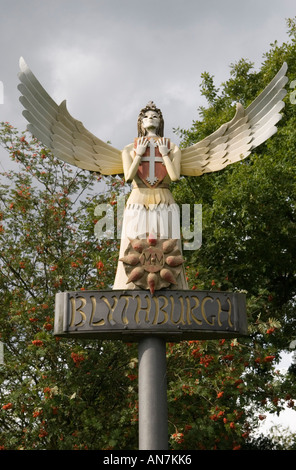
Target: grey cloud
109	57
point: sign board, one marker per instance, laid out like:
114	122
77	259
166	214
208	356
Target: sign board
130	314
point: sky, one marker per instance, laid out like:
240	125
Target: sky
108	58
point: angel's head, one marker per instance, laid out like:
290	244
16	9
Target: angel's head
149	118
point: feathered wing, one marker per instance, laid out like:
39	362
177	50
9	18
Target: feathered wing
66	137
236	139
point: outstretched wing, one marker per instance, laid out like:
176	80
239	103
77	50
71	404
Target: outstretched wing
66	137
236	139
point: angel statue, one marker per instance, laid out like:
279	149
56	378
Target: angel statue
150	256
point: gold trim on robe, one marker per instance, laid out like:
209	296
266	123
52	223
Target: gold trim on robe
147	196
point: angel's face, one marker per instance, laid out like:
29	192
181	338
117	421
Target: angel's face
150	121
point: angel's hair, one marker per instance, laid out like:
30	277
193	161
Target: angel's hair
150	107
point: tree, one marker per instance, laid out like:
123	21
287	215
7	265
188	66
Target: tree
82	394
56	394
249	244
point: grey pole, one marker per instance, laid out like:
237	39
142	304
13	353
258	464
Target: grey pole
153	416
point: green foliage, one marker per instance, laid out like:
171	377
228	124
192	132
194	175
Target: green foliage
56	394
249	245
73	394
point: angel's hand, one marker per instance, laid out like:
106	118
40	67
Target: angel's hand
163	146
141	146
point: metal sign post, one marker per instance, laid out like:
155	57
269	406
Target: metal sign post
151	320
153	415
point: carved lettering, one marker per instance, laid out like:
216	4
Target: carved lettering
124	317
111	309
94	305
197	303
181	316
138	310
203	312
160	309
188	311
229	314
79	309
163	309
141	308
219	312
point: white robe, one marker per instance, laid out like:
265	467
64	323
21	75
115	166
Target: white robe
149	211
